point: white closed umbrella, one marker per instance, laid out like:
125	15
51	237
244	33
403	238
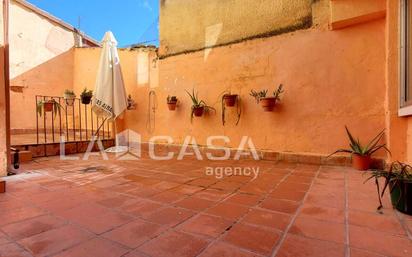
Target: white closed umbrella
109	98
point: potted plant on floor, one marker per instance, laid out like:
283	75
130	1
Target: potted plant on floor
48	106
86	96
171	102
267	102
230	100
399	180
198	106
361	155
69	96
2	186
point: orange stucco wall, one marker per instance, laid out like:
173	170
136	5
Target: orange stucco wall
3	129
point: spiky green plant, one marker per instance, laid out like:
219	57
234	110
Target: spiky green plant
357	148
398	172
263	93
56	107
197	103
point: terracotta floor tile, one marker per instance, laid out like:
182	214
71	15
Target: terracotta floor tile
167	197
34	226
313	228
142	208
268	219
220	249
206	225
297	246
13	250
278	205
202	182
4	239
136	253
226	185
244	199
175	244
117	201
211	194
363	253
291	195
134	233
56	240
194	203
252	238
228	211
384	223
372	240
94	247
323	213
288	186
18	214
170	216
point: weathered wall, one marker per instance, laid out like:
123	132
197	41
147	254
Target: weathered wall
196	24
40	62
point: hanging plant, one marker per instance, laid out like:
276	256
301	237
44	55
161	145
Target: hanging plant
267	102
86	96
69	96
48	106
230	100
171	102
198	106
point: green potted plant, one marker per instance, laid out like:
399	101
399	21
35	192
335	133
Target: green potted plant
361	155
69	96
48	106
230	100
171	102
399	180
86	96
267	102
198	106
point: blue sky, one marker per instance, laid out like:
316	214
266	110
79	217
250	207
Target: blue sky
131	21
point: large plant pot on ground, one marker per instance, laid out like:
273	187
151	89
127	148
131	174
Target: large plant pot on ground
361	162
401	196
198	111
268	103
230	100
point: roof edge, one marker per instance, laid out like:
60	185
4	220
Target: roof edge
56	20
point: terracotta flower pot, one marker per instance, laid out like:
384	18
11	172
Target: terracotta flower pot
48	106
361	162
268	103
86	99
198	111
172	105
2	187
69	99
230	100
401	196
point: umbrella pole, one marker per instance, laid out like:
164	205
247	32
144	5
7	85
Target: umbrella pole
98	130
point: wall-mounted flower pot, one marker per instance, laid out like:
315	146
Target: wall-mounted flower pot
2	187
86	99
198	111
172	105
48	106
268	103
361	162
401	196
230	100
69	99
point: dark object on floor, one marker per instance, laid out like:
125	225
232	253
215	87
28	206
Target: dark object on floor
401	196
2	187
16	160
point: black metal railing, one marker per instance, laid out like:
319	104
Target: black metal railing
75	122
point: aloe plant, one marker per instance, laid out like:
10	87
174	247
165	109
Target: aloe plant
357	148
398	172
197	103
263	93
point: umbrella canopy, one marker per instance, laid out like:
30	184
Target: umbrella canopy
109	99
